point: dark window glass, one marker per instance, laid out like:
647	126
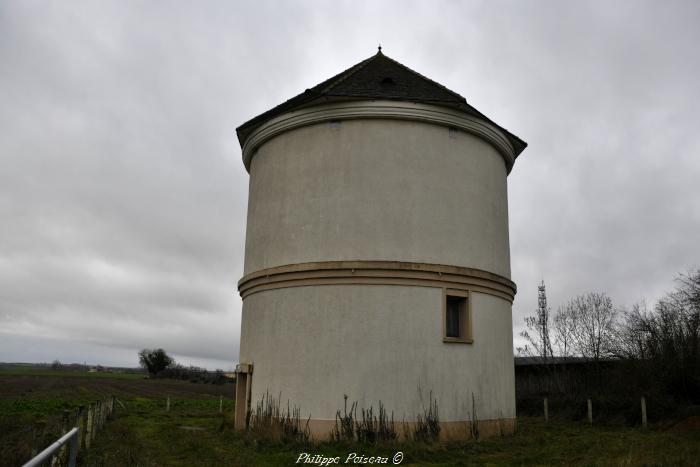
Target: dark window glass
452	325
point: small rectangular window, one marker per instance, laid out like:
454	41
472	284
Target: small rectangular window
457	316
452	318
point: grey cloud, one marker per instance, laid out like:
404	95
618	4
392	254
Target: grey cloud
123	198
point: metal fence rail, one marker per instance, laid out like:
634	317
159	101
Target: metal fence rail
70	437
87	422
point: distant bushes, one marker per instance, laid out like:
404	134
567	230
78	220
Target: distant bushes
160	365
193	374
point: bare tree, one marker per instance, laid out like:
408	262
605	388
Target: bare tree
666	340
633	332
563	328
537	333
672	330
593	332
684	303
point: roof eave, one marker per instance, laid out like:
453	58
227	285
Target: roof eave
246	129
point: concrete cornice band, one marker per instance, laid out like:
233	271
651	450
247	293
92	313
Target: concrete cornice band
380	109
377	273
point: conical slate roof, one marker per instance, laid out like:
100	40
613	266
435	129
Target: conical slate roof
378	77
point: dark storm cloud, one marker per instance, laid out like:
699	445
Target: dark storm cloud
123	197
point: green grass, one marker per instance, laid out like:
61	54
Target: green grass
32	406
193	433
40	408
146	405
155	437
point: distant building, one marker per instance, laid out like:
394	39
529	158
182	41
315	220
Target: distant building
377	259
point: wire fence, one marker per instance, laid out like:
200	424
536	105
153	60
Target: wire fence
78	428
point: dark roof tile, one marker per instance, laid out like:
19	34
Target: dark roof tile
378	77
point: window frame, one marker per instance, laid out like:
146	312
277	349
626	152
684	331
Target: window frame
465	317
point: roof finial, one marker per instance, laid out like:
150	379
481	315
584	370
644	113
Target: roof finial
379	49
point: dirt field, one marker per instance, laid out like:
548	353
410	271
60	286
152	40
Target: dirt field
88	387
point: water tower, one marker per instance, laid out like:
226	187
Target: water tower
377	259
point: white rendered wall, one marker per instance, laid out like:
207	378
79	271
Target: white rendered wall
314	344
378	190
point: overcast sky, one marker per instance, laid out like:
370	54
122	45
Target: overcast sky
123	195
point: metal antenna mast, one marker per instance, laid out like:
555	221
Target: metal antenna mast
543	318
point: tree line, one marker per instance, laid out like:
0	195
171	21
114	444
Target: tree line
662	342
159	364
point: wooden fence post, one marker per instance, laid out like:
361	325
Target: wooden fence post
103	405
35	440
104	412
590	412
81	426
167	404
63	456
644	413
546	410
95	421
59	457
96	425
221	404
89	426
98	408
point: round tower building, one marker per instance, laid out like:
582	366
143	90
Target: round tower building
377	259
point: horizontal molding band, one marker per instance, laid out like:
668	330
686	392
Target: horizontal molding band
380	110
377	273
